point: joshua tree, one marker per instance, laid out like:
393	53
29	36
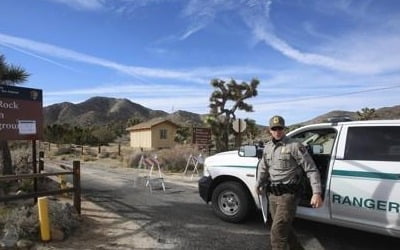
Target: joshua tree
220	117
366	114
9	75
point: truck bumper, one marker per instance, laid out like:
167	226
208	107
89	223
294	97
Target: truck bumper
204	188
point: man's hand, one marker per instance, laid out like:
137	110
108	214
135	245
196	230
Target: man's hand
316	201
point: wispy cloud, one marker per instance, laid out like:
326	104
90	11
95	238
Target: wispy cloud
352	58
349	52
197	75
38	56
82	4
136	88
62	53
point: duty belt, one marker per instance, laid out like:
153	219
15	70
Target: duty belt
279	188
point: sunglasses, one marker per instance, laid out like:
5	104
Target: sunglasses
276	128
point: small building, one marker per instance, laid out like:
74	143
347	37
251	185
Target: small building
153	134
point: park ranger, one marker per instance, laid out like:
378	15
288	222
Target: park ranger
281	170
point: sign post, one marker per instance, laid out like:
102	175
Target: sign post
21	113
202	137
21	117
239	126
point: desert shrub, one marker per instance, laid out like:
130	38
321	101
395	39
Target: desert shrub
21	155
114	155
90	152
103	154
63	150
23	222
22	160
64	216
88	158
20	223
172	160
20	144
25	185
132	159
175	159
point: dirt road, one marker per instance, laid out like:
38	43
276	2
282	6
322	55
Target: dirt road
119	212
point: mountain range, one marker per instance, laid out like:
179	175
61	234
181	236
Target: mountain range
104	110
385	113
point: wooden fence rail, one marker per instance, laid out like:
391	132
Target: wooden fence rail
76	188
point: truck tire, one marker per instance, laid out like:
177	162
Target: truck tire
230	202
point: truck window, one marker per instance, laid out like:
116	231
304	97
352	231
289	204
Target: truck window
377	143
322	137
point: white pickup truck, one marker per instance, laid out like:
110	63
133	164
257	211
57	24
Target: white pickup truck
359	164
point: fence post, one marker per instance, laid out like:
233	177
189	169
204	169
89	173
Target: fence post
34	162
77	185
41	162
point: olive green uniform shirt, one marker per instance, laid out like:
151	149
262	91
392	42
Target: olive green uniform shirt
285	161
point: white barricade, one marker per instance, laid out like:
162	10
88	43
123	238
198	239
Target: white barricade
150	179
195	162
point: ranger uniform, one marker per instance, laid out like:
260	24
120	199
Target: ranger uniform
280	174
284	162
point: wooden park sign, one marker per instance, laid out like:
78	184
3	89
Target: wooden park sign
21	113
202	137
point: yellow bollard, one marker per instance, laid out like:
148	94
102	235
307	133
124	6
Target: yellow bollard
44	219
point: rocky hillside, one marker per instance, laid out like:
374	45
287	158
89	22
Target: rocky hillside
103	110
186	118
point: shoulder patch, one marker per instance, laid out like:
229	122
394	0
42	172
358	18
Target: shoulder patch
302	149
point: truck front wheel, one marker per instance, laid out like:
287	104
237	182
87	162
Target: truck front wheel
230	202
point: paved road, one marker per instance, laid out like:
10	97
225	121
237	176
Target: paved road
179	219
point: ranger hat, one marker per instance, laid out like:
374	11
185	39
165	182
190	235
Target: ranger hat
276	121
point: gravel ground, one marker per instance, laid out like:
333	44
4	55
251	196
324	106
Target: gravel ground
102	229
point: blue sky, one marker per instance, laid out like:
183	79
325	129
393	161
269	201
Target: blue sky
311	56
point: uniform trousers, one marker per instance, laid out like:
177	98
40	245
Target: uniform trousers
283	211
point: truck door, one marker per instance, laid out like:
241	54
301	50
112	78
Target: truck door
321	142
365	177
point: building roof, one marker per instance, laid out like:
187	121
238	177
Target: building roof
151	123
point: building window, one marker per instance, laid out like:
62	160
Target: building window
163	134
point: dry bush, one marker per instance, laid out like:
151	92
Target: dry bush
23	222
21	157
88	158
175	159
22	160
115	156
172	160
88	151
103	154
132	158
65	150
